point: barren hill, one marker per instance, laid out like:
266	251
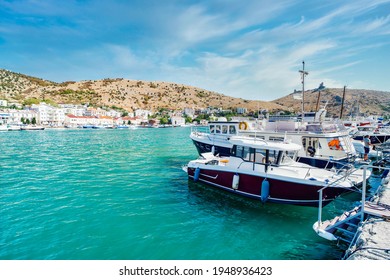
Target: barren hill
366	101
122	93
133	94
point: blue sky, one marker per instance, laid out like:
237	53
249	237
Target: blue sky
251	49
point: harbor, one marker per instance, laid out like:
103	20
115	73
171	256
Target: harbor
106	190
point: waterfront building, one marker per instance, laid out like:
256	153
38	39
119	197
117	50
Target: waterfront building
17	115
75	121
49	115
4	118
178	121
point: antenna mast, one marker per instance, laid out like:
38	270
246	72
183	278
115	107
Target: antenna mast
303	74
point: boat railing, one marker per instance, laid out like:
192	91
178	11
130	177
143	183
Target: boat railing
363	191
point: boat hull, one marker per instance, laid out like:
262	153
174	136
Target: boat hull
280	191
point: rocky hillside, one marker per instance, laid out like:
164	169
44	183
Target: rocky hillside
122	93
366	101
131	94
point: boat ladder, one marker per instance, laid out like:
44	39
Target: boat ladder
344	227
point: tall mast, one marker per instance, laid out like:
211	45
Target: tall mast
342	103
303	74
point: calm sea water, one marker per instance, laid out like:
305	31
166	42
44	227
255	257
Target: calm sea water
121	194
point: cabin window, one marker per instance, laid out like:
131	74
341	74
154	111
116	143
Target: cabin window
212	128
218	129
224	129
273	157
258	155
275	138
288	157
232	129
245	153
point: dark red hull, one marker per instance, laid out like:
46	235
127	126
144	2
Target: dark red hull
285	192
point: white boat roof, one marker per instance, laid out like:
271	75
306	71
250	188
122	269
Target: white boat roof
263	144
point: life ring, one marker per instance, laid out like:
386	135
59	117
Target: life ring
334	144
243	126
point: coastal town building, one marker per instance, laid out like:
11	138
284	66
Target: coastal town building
242	110
49	115
190	112
76	110
142	113
178	121
3	103
16	116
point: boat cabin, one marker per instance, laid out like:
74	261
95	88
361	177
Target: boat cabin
264	152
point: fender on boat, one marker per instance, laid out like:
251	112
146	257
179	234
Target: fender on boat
196	174
264	190
236	181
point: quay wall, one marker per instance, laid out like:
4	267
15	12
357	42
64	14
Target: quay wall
373	243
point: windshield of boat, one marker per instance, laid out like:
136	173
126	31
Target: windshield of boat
288	158
261	156
223	128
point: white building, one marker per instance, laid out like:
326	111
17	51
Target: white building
114	114
17	115
177	121
75	121
144	114
49	115
77	110
3	103
189	112
242	110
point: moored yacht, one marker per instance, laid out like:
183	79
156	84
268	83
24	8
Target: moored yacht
323	144
268	171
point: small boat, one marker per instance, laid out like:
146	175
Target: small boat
378	135
12	127
268	171
32	127
122	127
98	127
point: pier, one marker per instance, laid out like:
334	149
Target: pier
365	228
372	240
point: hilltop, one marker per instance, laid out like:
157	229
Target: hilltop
368	102
122	93
152	95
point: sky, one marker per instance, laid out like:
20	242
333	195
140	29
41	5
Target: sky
252	49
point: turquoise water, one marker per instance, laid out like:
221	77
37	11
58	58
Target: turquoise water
121	194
